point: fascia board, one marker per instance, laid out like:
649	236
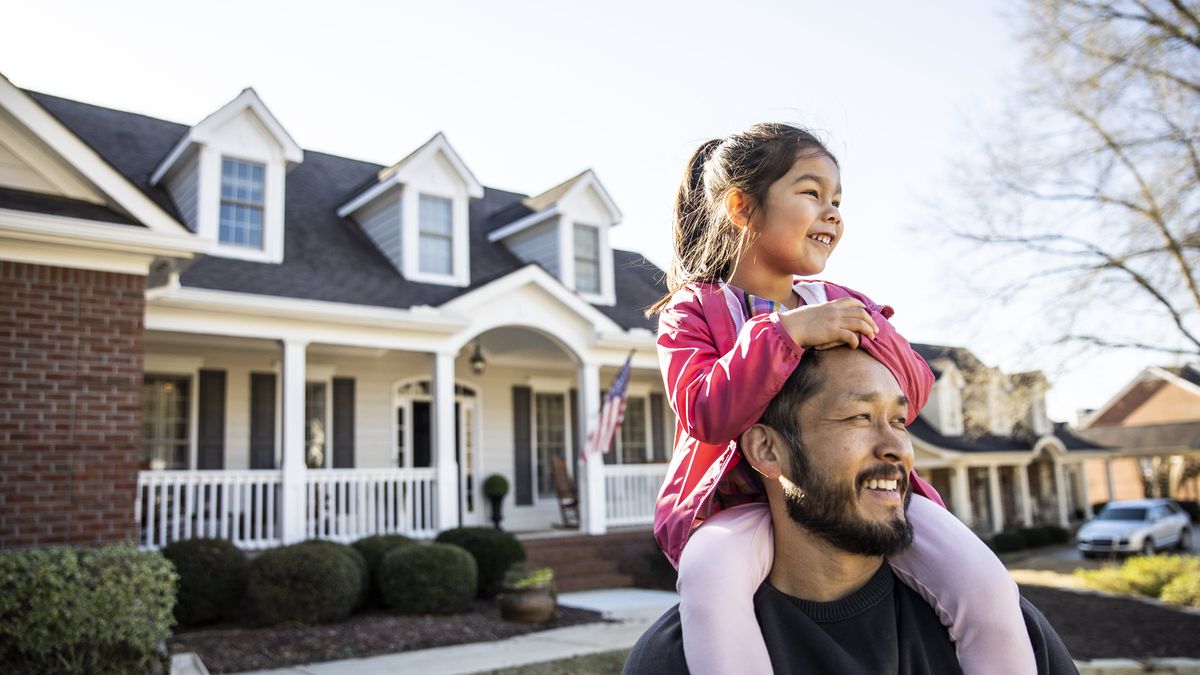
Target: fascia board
367	196
439	144
87	161
1176	380
1099	412
50	229
522	224
423	318
591	179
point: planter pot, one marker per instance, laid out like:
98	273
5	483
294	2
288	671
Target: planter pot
527	605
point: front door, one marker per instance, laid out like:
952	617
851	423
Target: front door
414	440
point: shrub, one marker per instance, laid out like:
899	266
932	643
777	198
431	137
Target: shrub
1005	542
428	579
494	551
65	610
1141	575
495	486
1035	536
360	564
1193	510
1183	590
1058	535
373	548
303	582
212	579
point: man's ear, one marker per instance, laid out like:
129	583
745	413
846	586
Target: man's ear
738	207
763	448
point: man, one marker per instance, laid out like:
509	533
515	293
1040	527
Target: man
838	498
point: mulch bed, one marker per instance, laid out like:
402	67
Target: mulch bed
227	649
1105	627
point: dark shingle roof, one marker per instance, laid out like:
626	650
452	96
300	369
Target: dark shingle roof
326	257
1073	442
982	443
961	357
1190	373
37	202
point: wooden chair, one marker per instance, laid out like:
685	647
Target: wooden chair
568	500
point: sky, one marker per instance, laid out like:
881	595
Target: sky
532	93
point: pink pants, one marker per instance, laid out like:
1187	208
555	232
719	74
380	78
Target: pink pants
729	556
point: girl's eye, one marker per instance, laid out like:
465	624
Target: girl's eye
811	192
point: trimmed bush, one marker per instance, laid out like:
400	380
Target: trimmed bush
66	610
1141	575
212	579
360	563
1005	542
494	551
1035	536
373	548
304	583
428	579
1183	590
1058	535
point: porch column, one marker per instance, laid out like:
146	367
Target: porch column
593	515
1026	498
1081	477
291	462
1060	485
960	495
1108	478
996	498
446	463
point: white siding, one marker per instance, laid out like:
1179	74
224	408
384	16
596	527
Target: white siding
538	244
184	186
381	220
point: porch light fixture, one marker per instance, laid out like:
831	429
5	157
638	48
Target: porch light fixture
478	363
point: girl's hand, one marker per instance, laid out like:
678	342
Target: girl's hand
829	324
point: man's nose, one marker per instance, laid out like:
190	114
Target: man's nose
893	445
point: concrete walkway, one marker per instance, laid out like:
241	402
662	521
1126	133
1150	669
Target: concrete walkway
633	609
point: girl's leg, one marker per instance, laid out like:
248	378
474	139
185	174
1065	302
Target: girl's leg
967	585
721	568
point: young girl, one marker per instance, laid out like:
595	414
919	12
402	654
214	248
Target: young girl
754	211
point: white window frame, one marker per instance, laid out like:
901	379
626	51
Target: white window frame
421	233
575	228
566	261
323	375
557	388
180	366
410	247
262	207
208	208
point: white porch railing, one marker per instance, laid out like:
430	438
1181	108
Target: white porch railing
241	506
630	492
244	506
349	504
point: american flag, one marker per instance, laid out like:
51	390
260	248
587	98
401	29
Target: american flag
612	413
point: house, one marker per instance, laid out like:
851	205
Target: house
210	331
216	332
985	443
1153	426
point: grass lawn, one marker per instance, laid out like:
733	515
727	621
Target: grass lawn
592	664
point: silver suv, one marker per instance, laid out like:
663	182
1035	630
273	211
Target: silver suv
1135	526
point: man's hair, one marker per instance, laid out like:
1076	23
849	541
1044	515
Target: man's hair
781	412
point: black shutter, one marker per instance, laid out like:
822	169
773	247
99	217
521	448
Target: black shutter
522	445
579	439
343	423
262	420
211	419
658	428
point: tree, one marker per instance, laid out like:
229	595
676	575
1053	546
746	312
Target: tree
1095	179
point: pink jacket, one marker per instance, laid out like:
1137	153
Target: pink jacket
719	381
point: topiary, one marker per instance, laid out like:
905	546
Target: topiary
212	579
495	486
428	579
302	582
494	551
360	563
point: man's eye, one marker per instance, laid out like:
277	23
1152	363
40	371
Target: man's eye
837	205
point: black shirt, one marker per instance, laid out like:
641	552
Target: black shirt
883	627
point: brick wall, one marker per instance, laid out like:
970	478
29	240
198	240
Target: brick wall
70	378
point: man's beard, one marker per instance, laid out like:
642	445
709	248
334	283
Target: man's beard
827	508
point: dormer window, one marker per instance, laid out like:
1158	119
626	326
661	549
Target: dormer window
436	236
587	259
242	187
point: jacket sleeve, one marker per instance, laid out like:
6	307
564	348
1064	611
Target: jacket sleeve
715	395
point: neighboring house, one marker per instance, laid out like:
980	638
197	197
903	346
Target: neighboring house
211	331
985	443
1153	426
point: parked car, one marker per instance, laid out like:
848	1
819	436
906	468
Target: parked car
1135	526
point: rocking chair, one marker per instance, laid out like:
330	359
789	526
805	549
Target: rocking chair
568	500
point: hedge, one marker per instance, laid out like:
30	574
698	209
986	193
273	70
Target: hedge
428	579
212	579
67	610
304	583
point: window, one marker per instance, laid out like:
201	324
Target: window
435	248
587	258
633	432
165	406
551	438
314	425
241	203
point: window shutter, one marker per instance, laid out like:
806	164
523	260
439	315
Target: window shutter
522	446
343	423
578	438
211	419
262	421
658	428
